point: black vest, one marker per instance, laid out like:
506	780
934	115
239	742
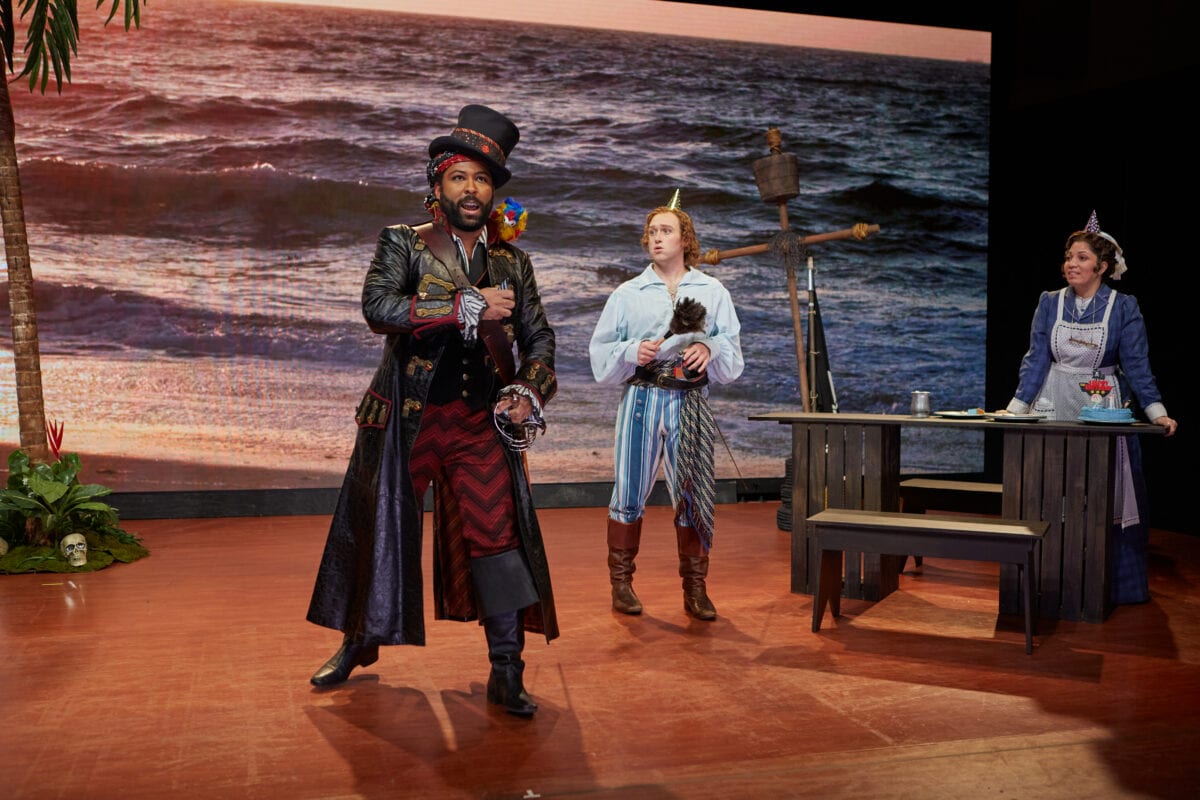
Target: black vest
464	371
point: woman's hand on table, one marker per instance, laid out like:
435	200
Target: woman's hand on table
1168	423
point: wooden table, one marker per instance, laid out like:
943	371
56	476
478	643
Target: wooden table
1058	472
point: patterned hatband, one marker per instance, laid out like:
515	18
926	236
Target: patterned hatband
480	142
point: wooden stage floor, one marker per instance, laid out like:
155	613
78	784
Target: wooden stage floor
185	675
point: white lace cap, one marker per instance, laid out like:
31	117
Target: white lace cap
1118	269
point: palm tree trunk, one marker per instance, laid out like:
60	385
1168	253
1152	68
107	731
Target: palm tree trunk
31	412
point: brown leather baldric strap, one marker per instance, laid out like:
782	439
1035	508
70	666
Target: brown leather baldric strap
491	331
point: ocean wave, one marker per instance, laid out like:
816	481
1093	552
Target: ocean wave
256	203
883	196
77	320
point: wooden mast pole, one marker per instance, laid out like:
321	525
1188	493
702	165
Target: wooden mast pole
778	179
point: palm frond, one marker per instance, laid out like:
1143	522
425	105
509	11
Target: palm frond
53	36
50	41
133	13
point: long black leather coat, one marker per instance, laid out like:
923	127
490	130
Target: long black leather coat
369	584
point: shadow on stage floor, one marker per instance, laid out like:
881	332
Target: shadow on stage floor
185	675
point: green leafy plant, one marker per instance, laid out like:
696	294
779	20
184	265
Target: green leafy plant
45	502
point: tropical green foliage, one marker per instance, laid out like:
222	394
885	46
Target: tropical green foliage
45	502
53	35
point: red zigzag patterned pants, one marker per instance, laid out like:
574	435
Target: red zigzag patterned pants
459	447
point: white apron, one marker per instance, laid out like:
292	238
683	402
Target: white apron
1076	349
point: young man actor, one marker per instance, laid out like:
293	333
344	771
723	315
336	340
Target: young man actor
663	336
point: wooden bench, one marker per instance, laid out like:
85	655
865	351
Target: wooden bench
1006	541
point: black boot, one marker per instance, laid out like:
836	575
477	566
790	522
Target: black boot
623	540
506	640
350	655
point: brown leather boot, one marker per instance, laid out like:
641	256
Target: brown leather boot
623	540
693	568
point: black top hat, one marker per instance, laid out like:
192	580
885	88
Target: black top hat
484	134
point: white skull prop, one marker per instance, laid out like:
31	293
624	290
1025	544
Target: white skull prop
74	549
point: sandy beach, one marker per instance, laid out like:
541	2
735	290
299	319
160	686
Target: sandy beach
212	424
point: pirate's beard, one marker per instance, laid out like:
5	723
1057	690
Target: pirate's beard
459	221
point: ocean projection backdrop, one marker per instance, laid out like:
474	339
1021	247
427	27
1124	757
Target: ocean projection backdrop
203	200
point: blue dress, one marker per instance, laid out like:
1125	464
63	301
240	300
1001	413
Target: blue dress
1069	342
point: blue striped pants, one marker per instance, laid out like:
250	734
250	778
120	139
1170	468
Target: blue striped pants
647	433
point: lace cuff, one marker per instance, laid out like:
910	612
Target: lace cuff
536	415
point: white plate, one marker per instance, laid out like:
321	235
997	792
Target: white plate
1015	417
959	414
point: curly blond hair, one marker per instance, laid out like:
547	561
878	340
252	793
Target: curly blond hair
687	232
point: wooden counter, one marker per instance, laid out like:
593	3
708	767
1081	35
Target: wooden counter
1058	472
